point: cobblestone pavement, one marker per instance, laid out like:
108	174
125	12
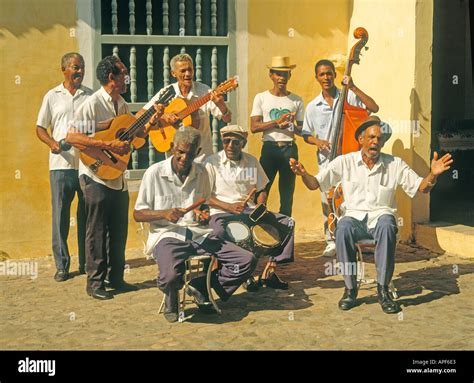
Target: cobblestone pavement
436	293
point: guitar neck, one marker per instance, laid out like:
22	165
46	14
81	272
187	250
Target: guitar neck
336	129
137	125
191	108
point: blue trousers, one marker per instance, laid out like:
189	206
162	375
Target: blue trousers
350	230
236	264
64	185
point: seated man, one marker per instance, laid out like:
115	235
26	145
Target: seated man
233	175
167	188
369	181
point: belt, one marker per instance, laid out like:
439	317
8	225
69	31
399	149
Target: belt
280	144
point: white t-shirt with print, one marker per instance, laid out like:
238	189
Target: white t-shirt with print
272	107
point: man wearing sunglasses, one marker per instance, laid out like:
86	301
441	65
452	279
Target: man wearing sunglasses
167	188
233	174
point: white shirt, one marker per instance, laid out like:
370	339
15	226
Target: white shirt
318	120
369	192
272	107
99	107
232	181
197	90
57	111
161	189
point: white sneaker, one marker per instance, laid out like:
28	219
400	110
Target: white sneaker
330	250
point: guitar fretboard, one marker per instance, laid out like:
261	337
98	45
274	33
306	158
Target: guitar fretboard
191	108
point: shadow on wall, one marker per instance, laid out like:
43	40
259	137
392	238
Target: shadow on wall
20	17
288	14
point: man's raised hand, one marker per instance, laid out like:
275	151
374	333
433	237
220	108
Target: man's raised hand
439	166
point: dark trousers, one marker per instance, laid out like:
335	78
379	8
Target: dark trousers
106	232
349	230
236	264
275	160
64	185
283	254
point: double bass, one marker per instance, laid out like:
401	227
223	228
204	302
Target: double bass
347	119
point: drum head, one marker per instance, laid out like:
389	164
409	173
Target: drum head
237	231
266	235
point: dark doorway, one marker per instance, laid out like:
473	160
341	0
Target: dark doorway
452	200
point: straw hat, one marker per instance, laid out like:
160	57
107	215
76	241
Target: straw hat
281	63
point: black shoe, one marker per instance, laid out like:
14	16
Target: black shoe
251	285
389	306
61	276
123	286
171	306
99	293
273	281
348	300
82	270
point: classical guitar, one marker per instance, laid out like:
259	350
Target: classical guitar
163	137
108	165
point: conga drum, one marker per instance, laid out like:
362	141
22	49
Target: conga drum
265	238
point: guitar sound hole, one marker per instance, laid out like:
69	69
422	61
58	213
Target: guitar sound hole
119	132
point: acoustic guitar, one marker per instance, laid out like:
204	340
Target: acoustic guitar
163	137
108	165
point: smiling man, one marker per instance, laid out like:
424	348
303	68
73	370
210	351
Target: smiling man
318	121
106	201
167	188
369	181
182	69
233	174
57	110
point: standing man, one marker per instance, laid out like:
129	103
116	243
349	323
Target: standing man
168	187
182	69
278	114
370	180
57	110
233	175
318	122
106	201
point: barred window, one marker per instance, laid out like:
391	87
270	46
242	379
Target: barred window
146	34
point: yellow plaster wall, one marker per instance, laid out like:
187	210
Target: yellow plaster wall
33	37
396	71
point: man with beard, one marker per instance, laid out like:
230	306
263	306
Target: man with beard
167	188
369	180
57	110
